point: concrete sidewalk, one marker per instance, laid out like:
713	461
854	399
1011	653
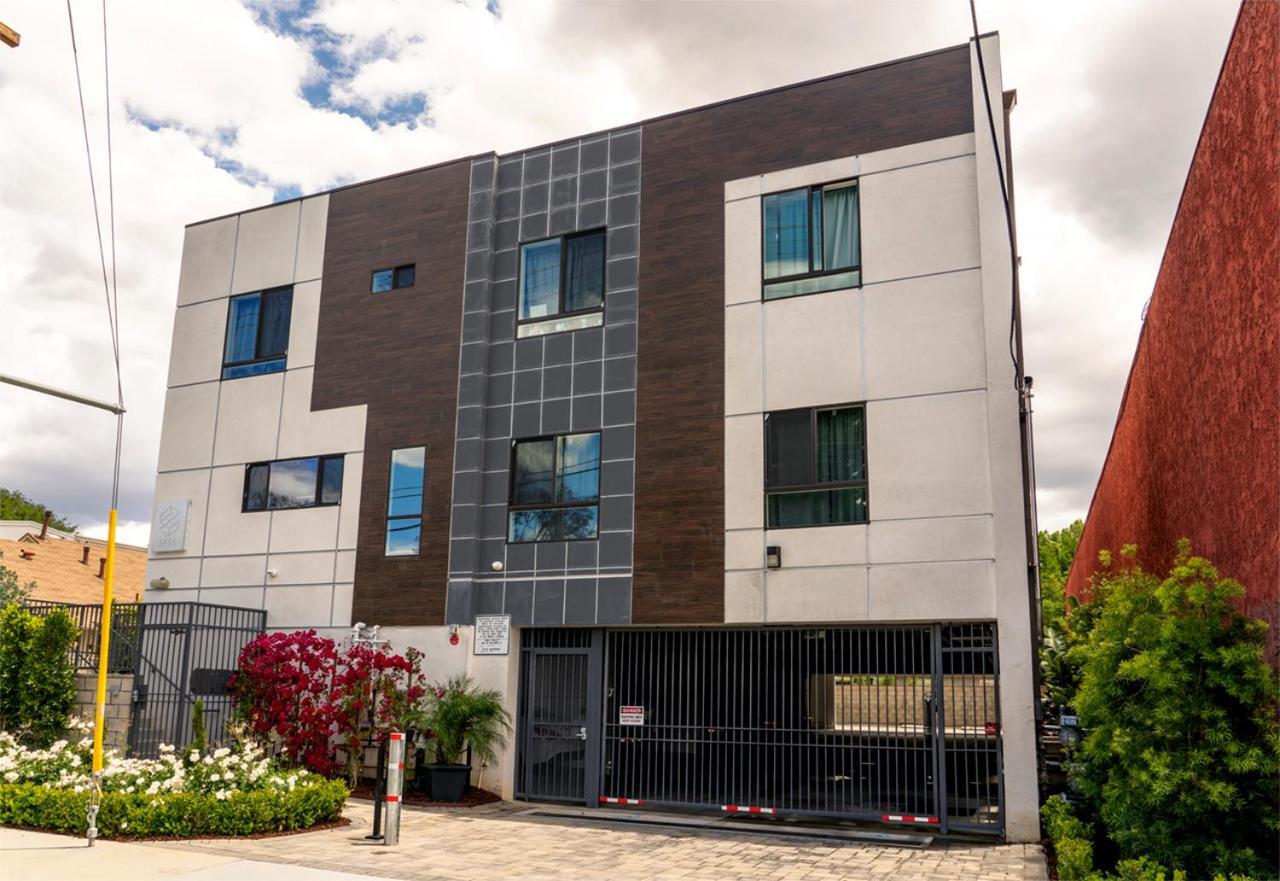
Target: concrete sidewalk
42	857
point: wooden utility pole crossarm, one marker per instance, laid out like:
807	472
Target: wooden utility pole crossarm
9	36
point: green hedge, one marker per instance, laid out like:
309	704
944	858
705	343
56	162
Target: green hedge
181	814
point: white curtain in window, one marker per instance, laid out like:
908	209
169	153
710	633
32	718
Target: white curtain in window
840	227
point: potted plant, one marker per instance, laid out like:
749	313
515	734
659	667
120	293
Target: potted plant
458	715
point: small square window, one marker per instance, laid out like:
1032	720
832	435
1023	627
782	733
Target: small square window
811	240
384	280
257	339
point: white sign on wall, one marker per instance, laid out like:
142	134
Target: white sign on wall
493	634
169	526
630	715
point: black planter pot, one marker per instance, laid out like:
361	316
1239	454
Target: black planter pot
449	782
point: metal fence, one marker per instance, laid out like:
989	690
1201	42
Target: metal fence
880	723
177	653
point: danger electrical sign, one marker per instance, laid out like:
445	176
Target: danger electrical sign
631	715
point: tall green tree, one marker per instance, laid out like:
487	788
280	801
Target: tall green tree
1056	552
16	506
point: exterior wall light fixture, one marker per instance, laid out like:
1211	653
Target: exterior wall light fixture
773	557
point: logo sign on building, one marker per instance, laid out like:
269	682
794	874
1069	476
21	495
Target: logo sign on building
493	634
631	715
169	526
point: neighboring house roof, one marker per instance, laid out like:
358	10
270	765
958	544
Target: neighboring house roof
29	530
60	576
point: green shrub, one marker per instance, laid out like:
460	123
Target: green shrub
180	814
199	737
1075	859
1181	755
37	679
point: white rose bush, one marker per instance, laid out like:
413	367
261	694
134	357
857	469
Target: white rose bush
224	791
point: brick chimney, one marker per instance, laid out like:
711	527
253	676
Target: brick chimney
102	566
44	530
84	555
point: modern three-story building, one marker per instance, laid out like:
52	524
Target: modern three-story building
702	439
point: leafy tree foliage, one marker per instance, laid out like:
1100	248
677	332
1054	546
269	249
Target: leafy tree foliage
1181	756
12	590
37	679
1057	549
16	506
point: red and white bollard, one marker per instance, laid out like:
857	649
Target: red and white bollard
395	786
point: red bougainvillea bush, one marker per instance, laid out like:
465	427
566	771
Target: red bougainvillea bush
315	698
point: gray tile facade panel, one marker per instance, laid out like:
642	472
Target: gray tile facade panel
580	380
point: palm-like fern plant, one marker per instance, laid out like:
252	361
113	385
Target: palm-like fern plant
458	714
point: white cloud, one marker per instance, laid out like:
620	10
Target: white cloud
1111	100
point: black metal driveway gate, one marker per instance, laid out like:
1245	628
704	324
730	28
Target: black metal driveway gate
897	724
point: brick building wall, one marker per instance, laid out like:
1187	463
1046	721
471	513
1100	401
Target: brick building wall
1196	448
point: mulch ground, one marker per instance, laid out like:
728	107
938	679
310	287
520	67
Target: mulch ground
473	798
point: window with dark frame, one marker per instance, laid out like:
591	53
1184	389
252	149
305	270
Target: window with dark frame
811	240
561	284
404	502
257	339
816	466
311	482
555	488
384	280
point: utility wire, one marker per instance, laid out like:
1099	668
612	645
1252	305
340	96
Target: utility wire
107	287
115	291
1004	193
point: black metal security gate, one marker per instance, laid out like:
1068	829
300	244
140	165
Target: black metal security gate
186	651
897	724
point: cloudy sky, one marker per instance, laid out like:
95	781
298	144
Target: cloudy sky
219	105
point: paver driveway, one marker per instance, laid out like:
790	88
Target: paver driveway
498	843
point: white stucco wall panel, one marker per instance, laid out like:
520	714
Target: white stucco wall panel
182	572
742	252
925	335
820	545
304	432
304	529
744	549
243	571
935	539
744	472
744	597
313	223
231	531
304	322
186	436
298	605
932	592
743	359
266	246
816	595
248	420
927	457
208	254
812	350
919	220
303	568
199	333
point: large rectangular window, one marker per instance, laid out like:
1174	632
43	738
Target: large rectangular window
816	467
811	240
293	483
257	333
555	488
404	502
562	284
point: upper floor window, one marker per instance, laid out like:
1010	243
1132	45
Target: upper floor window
404	502
562	284
391	279
293	483
816	466
257	333
811	240
555	488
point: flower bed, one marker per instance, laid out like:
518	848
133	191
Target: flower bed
224	792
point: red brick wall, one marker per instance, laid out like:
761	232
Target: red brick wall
1196	449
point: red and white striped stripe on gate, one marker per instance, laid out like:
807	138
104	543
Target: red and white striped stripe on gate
610	800
907	818
747	809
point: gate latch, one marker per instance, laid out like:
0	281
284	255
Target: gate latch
582	733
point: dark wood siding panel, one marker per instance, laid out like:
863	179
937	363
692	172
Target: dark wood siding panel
397	352
679	507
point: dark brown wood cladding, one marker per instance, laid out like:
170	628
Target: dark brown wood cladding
397	352
679	507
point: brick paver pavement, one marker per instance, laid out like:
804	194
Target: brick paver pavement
496	842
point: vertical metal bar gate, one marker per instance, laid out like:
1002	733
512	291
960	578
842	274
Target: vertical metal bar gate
896	724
